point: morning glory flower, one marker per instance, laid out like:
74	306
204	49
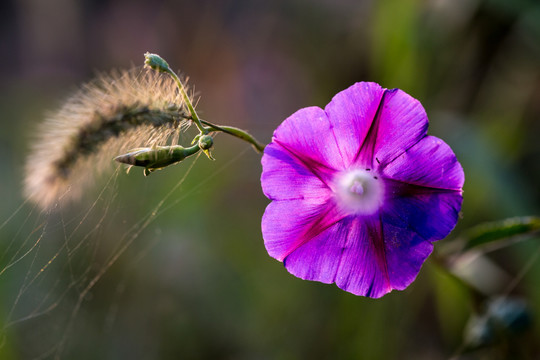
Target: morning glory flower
359	191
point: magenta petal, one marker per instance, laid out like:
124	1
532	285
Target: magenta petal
401	123
348	254
363	269
351	113
285	177
429	163
364	256
319	258
288	224
308	135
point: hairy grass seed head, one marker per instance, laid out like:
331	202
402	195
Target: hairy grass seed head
113	113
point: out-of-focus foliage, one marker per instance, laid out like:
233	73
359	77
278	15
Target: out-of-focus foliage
195	281
488	233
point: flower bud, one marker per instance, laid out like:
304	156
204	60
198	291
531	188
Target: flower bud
156	158
205	142
156	62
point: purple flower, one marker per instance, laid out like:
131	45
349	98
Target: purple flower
359	191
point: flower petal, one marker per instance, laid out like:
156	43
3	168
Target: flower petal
401	122
351	113
415	218
406	251
432	213
349	253
288	224
363	269
429	163
285	177
364	256
308	135
319	258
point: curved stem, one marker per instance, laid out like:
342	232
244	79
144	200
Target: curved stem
187	100
239	133
156	62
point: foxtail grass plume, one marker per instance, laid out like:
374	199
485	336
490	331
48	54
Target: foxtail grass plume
106	117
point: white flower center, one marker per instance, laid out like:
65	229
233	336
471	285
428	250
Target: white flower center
359	191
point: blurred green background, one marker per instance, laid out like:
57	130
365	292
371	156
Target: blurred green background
196	282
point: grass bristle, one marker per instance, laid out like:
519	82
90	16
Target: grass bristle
108	116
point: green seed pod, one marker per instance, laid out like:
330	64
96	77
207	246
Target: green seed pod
156	158
156	62
115	112
206	142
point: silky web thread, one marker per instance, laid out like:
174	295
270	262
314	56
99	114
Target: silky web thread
32	275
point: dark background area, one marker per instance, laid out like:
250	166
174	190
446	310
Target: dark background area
197	282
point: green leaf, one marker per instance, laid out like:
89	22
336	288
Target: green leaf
500	230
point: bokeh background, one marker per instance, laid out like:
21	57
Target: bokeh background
196	282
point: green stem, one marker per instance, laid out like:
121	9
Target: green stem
157	63
239	133
194	115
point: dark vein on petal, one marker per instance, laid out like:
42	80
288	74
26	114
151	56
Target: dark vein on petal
367	148
315	228
400	184
386	163
376	233
309	166
370	289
